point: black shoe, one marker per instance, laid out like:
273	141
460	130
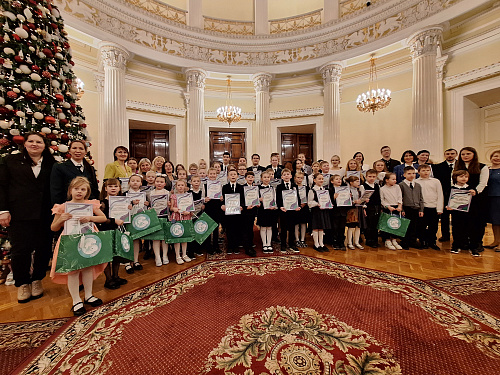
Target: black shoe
480	249
218	250
251	253
374	245
435	247
283	249
424	245
111	285
79	311
319	249
475	253
138	266
120	281
295	249
129	269
454	251
210	252
147	255
444	239
229	251
237	251
404	246
325	249
95	303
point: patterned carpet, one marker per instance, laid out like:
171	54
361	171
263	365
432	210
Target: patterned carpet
277	315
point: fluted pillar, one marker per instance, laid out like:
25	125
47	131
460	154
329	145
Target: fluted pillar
101	144
426	132
331	73
441	62
115	131
197	134
262	129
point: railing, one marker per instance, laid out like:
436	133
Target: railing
161	9
303	21
348	7
228	26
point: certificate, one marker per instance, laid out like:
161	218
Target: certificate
141	197
198	205
257	175
251	195
159	202
353	173
268	195
275	182
241	180
204	180
233	204
324	199
290	200
326	177
344	198
124	183
147	188
185	202
460	200
367	194
174	182
214	189
302	194
222	177
78	210
118	208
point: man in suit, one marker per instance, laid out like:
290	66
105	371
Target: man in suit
226	159
25	210
443	172
255	167
385	151
275	166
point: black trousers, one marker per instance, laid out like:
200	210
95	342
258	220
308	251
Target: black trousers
445	223
411	234
428	226
338	229
212	242
287	224
234	231
372	217
247	230
27	236
460	229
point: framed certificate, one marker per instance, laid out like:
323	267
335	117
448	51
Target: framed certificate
302	194
204	180
460	200
124	183
367	194
174	182
222	177
241	180
198	205
326	176
251	195
268	198
214	189
353	173
185	202
78	210
141	196
118	208
257	175
232	203
159	202
344	199
290	200
324	199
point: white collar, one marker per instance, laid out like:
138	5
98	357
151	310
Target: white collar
77	163
460	187
409	182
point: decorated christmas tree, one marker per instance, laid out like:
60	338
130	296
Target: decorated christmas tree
38	89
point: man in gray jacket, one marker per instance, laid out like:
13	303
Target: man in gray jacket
413	207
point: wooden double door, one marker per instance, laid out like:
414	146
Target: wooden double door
149	144
232	142
294	144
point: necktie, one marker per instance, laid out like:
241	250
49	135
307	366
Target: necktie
287	187
79	166
274	169
451	167
411	185
232	187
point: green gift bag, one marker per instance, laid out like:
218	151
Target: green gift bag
159	235
203	227
179	231
79	251
392	224
123	245
143	223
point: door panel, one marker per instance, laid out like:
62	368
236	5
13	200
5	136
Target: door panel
232	142
294	144
149	144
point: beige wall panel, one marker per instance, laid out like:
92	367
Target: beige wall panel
296	102
242	10
246	105
283	8
473	59
181	4
90	104
153	96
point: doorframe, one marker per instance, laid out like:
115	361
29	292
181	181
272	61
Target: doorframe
244	126
317	123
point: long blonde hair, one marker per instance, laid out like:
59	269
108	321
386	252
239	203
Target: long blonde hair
153	164
76	182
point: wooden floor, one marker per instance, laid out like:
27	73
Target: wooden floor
421	264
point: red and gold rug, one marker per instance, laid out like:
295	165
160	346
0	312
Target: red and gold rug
277	315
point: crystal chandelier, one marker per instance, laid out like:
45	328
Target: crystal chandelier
229	113
375	98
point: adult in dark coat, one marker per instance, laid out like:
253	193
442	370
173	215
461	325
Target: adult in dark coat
63	173
443	172
25	209
385	151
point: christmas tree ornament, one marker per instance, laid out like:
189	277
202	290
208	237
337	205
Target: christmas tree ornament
19	139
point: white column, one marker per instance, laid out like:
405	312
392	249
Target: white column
101	146
426	133
115	131
195	15
440	63
331	10
262	130
261	17
331	73
196	133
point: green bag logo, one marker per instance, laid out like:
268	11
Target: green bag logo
125	243
201	226
89	246
177	230
394	223
141	222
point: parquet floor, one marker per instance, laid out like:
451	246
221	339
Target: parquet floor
421	264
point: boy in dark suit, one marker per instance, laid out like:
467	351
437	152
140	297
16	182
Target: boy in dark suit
287	218
413	207
248	217
233	222
372	208
277	169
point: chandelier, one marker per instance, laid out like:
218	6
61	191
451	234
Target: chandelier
229	113
79	87
375	98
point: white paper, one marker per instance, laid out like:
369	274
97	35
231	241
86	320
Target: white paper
185	202
251	195
344	199
302	194
268	195
290	200
324	199
141	197
124	183
78	210
118	208
159	202
214	189
460	200
232	203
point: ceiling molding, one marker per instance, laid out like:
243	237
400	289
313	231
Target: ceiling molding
306	112
471	76
244	115
155	108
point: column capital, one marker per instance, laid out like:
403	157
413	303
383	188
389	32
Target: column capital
99	82
425	42
195	77
440	63
331	72
113	55
262	81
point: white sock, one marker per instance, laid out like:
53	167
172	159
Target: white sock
136	251
350	233
164	246
177	248
357	233
88	280
269	235
74	286
184	246
315	238
320	238
297	232
263	235
303	228
156	249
